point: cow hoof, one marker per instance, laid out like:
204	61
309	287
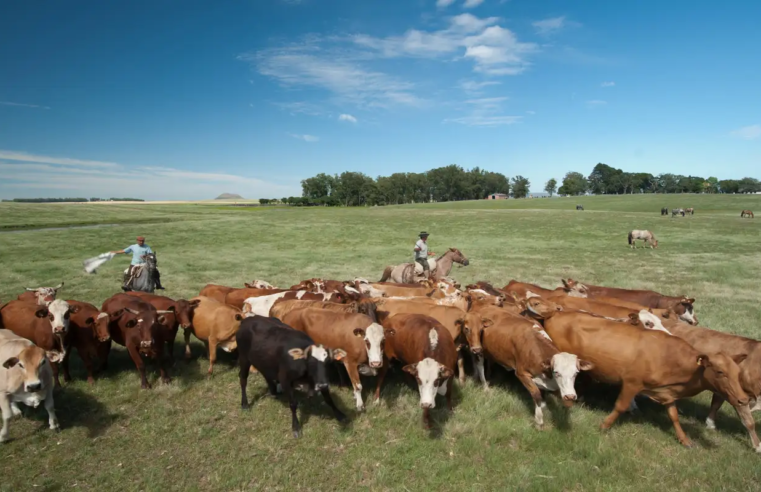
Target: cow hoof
55	428
710	424
90	381
166	380
245	406
145	386
758	448
340	417
688	444
296	434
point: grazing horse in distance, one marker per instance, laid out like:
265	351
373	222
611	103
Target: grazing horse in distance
677	211
579	207
746	213
646	236
664	211
690	211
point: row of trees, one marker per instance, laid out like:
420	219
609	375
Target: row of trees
607	180
74	200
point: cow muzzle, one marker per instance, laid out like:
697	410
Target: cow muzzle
33	387
104	339
321	386
568	400
477	351
375	365
59	329
427	405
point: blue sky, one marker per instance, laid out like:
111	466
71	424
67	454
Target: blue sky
189	99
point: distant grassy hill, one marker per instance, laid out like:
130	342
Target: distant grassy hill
229	196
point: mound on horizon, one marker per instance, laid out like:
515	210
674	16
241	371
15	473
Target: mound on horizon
229	196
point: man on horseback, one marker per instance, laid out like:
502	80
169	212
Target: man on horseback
138	251
422	253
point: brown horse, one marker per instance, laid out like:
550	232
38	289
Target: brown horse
646	236
746	213
690	211
408	273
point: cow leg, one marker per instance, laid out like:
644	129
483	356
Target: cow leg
716	403
170	348
329	400
288	390
103	350
50	407
625	397
479	363
674	416
161	359
54	365
86	355
65	366
212	353
449	394
351	368
381	377
15	410
536	395
187	344
461	367
135	354
5	407
243	370
747	419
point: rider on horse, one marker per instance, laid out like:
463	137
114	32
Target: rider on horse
422	253
138	251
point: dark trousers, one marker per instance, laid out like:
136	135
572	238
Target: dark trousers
424	264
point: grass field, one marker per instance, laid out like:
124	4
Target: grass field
191	435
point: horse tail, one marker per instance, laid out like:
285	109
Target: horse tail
386	274
631	237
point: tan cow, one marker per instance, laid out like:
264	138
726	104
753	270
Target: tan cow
215	324
25	377
357	334
662	367
216	292
609	310
285	306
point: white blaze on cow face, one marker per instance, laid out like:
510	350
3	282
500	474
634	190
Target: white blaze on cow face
433	337
319	353
429	379
565	367
651	321
374	338
58	313
530	294
688	315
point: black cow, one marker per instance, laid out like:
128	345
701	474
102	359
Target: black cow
579	207
664	211
285	356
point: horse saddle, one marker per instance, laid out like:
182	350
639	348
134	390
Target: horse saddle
419	267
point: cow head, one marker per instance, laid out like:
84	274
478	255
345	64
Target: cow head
431	376
30	363
723	373
367	289
542	308
563	368
574	288
45	295
58	313
317	358
259	284
375	339
472	326
685	310
184	311
140	323
646	319
99	326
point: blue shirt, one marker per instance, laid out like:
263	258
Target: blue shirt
138	251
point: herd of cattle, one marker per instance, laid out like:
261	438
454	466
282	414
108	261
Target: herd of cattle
644	342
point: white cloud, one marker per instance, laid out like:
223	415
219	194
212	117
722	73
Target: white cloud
608	84
306	138
22	105
444	3
474	87
751	132
78	178
530	112
10	155
469	4
596	102
484	111
548	26
482	120
347	117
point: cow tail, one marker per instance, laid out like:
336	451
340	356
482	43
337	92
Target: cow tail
631	238
386	274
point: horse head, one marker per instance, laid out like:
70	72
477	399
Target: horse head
457	256
150	260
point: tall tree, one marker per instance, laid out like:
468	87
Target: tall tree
551	186
574	184
520	187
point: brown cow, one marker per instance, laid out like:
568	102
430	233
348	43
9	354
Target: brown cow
465	328
179	315
428	349
647	298
285	306
516	344
237	297
41	295
357	334
88	328
403	290
215	324
611	311
46	326
133	324
680	308
261	305
523	289
216	292
710	341
662	367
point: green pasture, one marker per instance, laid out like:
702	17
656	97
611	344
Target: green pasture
192	435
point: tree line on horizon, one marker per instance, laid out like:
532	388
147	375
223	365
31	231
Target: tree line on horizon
454	183
72	200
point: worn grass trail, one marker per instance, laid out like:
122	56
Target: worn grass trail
191	435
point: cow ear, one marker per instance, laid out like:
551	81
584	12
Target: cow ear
238	317
739	358
10	362
117	313
703	360
161	319
445	372
486	322
296	353
460	322
565	283
338	354
131	323
410	368
89	320
42	313
634	318
390	332
688	300
515	296
75	309
547	367
249	286
359	332
194	302
584	365
666	314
